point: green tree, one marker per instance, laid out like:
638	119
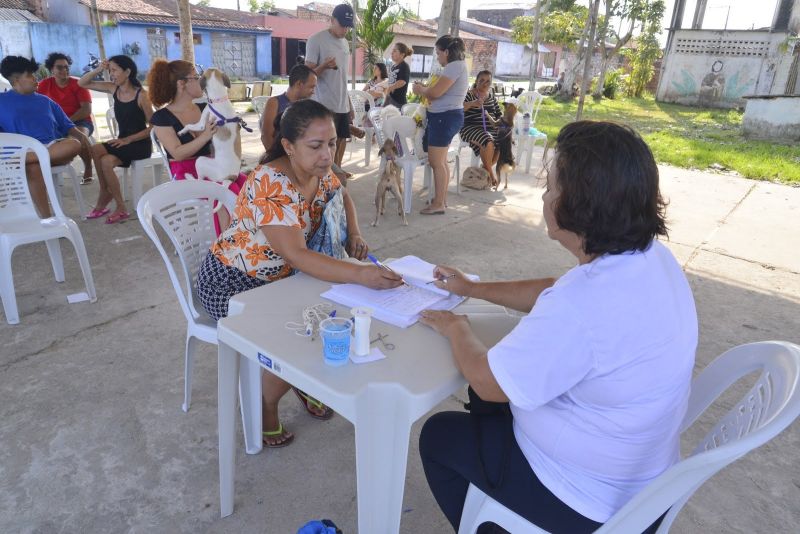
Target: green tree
647	50
374	29
264	6
203	3
628	13
562	24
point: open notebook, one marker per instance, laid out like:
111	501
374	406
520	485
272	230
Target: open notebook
399	306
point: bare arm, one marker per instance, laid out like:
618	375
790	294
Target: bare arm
329	63
289	243
83	112
434	91
87	81
356	246
470	355
268	122
518	295
169	140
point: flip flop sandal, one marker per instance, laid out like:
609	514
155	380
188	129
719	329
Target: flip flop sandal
87	180
276	434
96	213
111	219
309	401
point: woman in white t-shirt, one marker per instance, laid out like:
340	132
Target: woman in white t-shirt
597	375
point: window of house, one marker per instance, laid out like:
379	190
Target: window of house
197	38
422	60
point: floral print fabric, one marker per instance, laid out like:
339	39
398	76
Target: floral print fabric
269	198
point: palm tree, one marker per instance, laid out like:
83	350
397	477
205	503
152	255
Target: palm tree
374	28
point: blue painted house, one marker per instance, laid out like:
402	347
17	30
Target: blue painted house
149	29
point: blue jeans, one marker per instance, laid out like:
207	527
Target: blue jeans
442	127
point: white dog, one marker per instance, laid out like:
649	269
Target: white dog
225	165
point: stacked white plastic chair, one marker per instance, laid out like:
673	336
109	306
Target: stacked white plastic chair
359	100
20	224
770	406
59	171
184	211
163	153
526	133
137	167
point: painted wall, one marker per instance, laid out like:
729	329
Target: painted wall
291	28
68	11
39	39
718	68
15	39
774	117
75	40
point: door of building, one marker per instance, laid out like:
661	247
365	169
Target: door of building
234	54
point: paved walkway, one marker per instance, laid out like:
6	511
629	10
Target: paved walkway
94	440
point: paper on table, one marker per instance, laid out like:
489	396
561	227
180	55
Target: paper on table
419	272
374	355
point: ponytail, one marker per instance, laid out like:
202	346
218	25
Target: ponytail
162	80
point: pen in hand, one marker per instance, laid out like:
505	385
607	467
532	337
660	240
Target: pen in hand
374	260
442	279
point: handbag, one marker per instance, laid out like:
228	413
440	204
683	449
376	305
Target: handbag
479	409
476	178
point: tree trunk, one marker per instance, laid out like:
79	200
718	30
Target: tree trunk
445	18
587	61
601	40
187	38
98	31
572	72
537	24
354	47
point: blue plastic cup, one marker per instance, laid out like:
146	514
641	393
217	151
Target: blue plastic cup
335	332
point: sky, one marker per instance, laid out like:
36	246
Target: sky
740	14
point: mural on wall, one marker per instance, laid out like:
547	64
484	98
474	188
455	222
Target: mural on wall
713	87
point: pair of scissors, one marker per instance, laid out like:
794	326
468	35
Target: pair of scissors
382	339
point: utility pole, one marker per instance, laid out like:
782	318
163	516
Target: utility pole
98	30
354	44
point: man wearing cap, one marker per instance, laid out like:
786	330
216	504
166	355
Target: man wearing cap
326	54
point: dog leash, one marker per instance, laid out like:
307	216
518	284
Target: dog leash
224	120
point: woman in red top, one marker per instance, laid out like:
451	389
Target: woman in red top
74	100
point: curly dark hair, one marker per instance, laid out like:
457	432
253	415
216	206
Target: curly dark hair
608	182
12	65
55	56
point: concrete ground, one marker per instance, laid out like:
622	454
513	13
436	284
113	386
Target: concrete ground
94	439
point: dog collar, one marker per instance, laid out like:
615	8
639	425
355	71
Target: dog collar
217	100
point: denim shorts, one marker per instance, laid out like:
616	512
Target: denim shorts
442	127
85	123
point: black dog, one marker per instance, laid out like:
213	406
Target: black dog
505	144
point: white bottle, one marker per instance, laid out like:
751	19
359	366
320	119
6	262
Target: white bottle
363	317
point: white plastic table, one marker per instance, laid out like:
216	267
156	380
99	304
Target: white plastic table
382	399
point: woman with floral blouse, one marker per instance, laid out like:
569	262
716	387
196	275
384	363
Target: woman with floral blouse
278	211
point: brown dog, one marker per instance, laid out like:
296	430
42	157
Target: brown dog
389	181
505	144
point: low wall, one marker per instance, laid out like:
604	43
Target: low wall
772	117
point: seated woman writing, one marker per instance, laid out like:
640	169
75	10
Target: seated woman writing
597	374
173	87
279	210
481	118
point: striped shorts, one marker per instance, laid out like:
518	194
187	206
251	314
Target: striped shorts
217	283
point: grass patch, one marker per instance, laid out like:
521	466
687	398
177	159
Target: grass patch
685	136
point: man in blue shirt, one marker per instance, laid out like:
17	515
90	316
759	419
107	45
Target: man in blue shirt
29	113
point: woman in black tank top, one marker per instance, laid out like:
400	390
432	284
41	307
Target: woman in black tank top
132	111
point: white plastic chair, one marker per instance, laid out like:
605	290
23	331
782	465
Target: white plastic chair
20	224
137	167
770	406
184	210
529	102
259	103
4	85
163	153
410	108
359	99
58	172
